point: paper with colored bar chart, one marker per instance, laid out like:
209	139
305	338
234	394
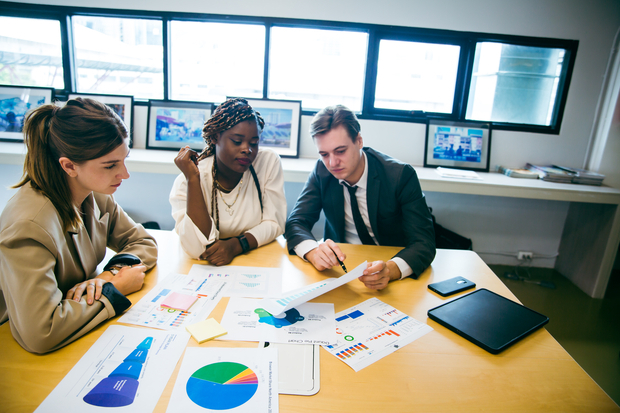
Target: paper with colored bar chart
126	370
226	379
245	319
372	330
148	311
292	299
256	282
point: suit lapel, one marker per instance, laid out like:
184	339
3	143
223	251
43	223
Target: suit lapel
334	207
372	195
89	243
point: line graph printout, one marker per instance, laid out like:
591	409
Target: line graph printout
293	298
255	282
226	379
126	370
372	330
148	311
245	319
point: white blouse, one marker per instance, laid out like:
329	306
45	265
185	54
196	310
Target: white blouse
244	215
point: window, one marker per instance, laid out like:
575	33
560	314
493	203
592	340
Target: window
515	84
213	60
30	52
416	76
381	72
318	67
119	56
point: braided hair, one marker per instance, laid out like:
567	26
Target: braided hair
227	115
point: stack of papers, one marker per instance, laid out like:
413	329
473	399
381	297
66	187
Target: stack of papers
457	173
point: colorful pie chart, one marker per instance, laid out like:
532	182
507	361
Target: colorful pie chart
222	386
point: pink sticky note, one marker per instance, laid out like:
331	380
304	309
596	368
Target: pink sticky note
178	301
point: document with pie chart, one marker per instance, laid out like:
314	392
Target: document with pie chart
226	379
245	319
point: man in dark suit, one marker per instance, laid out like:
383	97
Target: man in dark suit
367	197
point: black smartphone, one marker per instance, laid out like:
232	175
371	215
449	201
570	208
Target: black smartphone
451	286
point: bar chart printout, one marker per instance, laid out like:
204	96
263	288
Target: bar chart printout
226	379
372	330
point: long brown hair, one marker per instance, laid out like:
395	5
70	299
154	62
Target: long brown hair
82	130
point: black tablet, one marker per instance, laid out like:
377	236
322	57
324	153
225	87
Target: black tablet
488	319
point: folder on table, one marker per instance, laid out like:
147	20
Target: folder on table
488	320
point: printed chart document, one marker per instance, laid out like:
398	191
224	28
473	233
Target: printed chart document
301	295
245	319
126	370
149	312
256	282
226	379
372	330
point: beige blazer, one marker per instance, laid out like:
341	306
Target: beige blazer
40	262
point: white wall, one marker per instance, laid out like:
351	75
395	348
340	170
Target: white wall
496	225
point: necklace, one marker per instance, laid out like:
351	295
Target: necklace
229	207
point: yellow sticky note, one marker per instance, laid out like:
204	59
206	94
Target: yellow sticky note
206	330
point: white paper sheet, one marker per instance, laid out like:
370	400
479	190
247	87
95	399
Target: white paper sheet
372	330
148	311
311	323
126	370
294	298
457	173
226	379
256	282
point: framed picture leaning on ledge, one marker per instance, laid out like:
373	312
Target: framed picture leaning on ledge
174	124
15	102
457	145
282	122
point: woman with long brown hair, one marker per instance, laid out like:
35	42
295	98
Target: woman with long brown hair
230	198
54	231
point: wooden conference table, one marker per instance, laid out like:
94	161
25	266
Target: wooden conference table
439	372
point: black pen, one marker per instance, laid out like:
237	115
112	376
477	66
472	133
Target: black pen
340	262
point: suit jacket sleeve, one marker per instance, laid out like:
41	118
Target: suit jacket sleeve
306	212
417	223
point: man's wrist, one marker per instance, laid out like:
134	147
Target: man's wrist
394	273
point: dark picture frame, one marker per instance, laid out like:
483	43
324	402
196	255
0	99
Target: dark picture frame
173	124
121	104
15	102
458	145
282	125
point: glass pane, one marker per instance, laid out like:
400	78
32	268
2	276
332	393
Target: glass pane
516	84
318	67
213	60
119	56
30	53
416	76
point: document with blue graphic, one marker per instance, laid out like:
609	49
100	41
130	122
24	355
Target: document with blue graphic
126	370
246	319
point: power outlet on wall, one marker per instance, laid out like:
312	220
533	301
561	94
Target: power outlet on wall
525	255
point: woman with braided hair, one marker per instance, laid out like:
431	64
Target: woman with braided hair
230	198
55	229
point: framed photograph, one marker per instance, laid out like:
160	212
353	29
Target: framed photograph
174	124
457	145
15	101
282	123
122	105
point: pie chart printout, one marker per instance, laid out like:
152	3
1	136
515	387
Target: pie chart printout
222	386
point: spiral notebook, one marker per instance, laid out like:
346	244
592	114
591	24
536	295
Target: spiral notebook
488	320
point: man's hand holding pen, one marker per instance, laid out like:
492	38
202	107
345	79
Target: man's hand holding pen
326	255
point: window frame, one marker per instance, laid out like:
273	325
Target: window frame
466	40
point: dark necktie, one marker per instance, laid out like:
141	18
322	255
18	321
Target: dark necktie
360	226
